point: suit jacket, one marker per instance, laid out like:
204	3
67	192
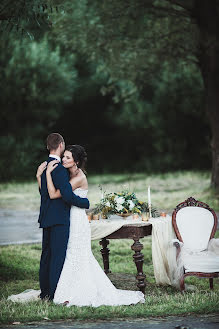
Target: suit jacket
57	211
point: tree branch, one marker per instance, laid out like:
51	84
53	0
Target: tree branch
172	11
154	9
185	4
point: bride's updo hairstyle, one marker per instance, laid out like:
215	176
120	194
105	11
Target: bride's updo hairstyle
79	155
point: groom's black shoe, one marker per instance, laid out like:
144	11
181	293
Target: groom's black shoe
44	297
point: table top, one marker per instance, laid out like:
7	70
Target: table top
127	226
135	231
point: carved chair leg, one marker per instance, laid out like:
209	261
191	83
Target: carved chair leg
138	259
211	283
182	284
105	254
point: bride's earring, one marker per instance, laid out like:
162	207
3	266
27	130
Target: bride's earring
76	168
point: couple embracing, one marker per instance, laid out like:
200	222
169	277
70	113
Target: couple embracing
69	273
56	184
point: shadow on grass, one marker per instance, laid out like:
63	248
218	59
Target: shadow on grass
128	282
10	272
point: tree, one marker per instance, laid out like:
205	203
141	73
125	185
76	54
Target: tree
37	82
132	39
27	17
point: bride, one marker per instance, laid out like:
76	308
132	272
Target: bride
82	281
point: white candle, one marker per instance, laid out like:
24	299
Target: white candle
149	196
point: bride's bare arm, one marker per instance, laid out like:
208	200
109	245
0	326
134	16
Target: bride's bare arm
75	182
39	172
80	181
53	192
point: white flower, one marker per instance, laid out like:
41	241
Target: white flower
119	200
119	207
131	204
107	204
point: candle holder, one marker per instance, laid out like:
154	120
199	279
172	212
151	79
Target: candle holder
96	216
149	208
145	217
90	217
135	216
163	214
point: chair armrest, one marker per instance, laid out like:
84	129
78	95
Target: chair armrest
177	243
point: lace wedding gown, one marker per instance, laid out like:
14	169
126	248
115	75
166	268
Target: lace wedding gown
82	281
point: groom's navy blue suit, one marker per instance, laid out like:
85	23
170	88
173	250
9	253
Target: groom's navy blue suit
54	219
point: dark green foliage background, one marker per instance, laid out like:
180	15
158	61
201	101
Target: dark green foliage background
132	112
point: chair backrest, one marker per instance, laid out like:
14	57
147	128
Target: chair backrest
195	223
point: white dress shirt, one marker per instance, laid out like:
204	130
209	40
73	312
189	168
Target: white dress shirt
55	156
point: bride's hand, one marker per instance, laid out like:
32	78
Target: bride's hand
52	165
41	169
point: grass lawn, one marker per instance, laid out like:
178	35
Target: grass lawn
19	264
167	190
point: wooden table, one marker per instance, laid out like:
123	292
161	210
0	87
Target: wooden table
134	232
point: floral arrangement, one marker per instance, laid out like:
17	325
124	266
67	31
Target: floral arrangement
123	203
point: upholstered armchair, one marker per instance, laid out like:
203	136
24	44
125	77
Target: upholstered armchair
195	224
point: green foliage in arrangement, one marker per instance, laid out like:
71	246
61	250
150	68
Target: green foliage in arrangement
19	271
122	203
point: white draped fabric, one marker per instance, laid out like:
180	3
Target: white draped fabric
25	296
163	254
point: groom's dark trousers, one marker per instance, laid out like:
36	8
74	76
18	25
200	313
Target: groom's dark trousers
54	219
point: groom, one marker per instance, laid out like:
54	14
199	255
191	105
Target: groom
54	219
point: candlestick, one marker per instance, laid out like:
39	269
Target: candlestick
149	208
145	217
149	200
149	195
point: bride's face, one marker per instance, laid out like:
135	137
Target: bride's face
67	160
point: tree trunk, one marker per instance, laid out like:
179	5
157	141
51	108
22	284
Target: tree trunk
206	14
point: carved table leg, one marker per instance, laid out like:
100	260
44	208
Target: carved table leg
138	259
105	254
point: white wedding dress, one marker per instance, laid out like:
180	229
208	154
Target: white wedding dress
82	281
